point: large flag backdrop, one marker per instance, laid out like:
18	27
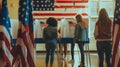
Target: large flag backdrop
5	35
116	36
59	9
25	39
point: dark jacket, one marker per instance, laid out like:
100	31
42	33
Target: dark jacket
50	33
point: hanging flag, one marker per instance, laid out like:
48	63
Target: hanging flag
43	5
5	35
116	36
62	9
25	39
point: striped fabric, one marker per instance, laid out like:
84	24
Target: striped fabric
5	35
116	36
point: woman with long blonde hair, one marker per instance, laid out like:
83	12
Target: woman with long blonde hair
80	36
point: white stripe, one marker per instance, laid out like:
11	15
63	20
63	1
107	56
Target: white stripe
70	4
24	49
4	30
30	46
7	52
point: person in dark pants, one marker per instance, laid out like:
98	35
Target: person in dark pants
80	36
102	34
72	51
50	38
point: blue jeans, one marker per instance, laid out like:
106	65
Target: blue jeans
50	49
104	47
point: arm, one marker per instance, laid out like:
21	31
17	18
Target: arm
96	32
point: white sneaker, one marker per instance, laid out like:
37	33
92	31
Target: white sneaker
65	58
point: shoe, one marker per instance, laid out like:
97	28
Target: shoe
65	58
71	61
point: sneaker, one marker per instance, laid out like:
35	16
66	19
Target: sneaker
71	61
65	58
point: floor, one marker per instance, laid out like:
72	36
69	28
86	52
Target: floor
91	60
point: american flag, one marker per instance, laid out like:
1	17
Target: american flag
62	9
43	5
116	36
5	35
25	38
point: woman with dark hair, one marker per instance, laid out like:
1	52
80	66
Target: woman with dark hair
102	34
79	37
50	39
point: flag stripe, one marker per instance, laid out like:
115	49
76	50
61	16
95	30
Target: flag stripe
115	43
5	32
54	14
71	1
57	6
63	8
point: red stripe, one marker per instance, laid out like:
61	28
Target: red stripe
54	14
69	6
58	19
7	60
115	46
84	14
20	53
29	56
71	1
5	39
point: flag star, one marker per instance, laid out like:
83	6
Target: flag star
26	13
27	7
36	8
51	3
23	9
37	1
45	5
3	18
37	5
25	19
22	15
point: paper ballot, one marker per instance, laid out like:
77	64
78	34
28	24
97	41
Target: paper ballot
38	28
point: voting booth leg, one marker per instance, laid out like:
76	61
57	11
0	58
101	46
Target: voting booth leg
88	59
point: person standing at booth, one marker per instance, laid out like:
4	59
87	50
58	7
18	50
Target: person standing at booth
50	38
102	34
79	36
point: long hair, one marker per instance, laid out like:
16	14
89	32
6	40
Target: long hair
80	20
103	17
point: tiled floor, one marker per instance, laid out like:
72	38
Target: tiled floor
40	61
